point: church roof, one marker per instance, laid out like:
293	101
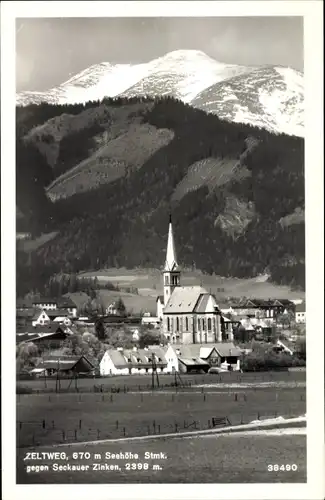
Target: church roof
184	299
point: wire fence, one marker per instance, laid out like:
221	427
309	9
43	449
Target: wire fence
46	432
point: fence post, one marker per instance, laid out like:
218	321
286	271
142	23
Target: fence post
53	424
236	397
80	424
258	415
176	427
20	425
43	424
158	428
75	434
111	398
204	397
98	433
103	397
209	424
154	426
63	435
116	424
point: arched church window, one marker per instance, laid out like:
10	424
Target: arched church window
203	324
199	324
209	324
166	280
168	324
177	324
186	324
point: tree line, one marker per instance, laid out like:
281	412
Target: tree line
122	224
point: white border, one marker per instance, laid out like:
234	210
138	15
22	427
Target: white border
313	23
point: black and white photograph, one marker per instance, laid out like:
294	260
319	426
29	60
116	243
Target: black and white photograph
162	186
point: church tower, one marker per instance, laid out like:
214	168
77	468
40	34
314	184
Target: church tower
171	270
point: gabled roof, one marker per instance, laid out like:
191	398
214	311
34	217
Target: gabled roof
193	361
193	350
225	349
45	300
38	313
39	329
27	313
66	302
57	312
66	363
117	358
184	299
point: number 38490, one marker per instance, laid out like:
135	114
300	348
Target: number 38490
282	467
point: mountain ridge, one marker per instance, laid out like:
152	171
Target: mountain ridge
191	76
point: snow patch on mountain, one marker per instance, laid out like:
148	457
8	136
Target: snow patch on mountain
266	97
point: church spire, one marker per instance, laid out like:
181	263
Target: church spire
171	261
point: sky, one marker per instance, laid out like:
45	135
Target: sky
51	50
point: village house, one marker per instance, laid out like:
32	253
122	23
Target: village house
65	304
40	318
200	357
148	320
260	308
67	366
133	361
50	334
300	315
189	313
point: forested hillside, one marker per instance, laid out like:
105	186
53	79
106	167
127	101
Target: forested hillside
229	186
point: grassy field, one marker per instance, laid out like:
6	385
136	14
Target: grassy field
149	284
48	418
217	459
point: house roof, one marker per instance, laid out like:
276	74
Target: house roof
66	302
38	329
38	313
45	300
225	349
301	307
161	298
117	358
184	299
193	361
57	312
66	363
202	303
139	358
193	350
27	313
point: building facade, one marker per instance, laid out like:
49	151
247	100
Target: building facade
190	314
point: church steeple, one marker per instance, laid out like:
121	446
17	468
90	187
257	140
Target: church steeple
171	269
171	261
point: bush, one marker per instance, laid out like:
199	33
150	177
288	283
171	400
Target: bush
268	361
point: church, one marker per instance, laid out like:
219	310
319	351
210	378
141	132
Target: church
189	314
